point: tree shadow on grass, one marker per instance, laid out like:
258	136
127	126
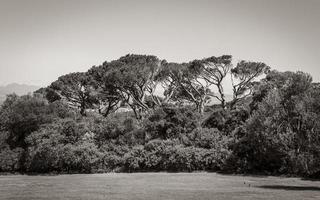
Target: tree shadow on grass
289	187
311	179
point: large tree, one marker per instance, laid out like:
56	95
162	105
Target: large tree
107	95
133	78
195	81
183	83
243	78
282	132
76	89
213	71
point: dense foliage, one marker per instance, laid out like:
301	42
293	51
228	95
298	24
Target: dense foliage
114	118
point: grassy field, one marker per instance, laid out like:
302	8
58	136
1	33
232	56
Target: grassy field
149	186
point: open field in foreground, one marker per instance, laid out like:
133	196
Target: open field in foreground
148	186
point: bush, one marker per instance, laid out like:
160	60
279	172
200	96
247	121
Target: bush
44	158
20	116
227	120
159	155
135	159
305	163
112	162
170	122
116	127
10	160
113	156
208	138
62	147
83	158
192	159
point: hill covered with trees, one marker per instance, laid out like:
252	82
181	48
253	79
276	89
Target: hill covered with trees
113	118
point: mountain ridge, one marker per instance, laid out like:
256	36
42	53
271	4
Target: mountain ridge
19	89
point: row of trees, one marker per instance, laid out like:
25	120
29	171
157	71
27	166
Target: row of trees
271	124
135	79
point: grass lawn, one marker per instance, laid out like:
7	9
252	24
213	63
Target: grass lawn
149	186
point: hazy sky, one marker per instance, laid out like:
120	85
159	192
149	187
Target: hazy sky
42	40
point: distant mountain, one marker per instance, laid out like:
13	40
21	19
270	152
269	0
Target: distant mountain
19	89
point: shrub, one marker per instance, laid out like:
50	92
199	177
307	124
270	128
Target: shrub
10	160
20	116
84	158
209	138
134	160
192	158
159	155
62	147
170	122
113	156
120	128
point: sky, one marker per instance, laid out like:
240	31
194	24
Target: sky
41	40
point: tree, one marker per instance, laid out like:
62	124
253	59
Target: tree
276	80
194	81
182	82
243	76
167	76
281	134
20	116
75	88
213	71
133	76
50	94
107	94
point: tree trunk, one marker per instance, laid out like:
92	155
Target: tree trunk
200	107
83	110
107	112
222	96
136	113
